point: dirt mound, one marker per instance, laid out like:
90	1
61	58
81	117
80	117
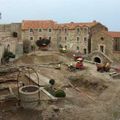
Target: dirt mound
90	83
37	59
27	59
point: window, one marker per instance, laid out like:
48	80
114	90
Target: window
117	44
85	51
78	30
85	39
50	30
31	38
40	30
31	30
40	38
102	38
78	48
65	38
85	30
78	39
49	38
102	48
65	30
66	46
15	34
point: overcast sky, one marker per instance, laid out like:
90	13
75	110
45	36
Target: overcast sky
105	11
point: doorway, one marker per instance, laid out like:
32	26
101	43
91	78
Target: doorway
97	60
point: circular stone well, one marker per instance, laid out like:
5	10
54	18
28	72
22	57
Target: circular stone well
29	96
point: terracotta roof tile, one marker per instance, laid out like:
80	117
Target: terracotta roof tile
27	24
73	25
113	34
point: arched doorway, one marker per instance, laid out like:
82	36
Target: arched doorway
97	60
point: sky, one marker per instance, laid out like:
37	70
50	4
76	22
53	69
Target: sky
105	11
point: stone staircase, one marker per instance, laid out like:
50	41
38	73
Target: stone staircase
99	54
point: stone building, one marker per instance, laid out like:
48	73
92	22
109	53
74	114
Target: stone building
72	36
10	37
33	30
91	38
105	47
77	36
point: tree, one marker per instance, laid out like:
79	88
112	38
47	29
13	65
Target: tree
43	42
33	47
6	56
26	46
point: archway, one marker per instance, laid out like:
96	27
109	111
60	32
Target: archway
97	60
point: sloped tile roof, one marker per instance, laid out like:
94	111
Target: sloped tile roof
113	34
27	24
73	25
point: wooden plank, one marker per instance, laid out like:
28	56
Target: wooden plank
48	94
42	80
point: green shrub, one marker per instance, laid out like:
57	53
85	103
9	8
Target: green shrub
6	56
60	93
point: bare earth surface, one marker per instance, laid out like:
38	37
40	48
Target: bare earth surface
90	95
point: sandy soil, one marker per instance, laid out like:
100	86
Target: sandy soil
94	96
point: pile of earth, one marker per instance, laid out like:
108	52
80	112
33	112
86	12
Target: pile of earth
37	59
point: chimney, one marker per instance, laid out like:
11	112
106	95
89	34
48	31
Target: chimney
94	21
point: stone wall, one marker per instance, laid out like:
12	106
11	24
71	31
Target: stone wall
84	36
16	27
74	40
87	38
7	40
26	34
97	28
6	31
